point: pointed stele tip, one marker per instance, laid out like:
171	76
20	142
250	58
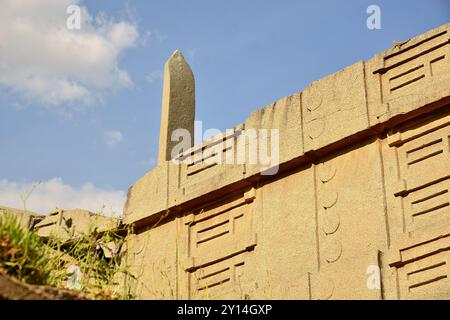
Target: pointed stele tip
176	54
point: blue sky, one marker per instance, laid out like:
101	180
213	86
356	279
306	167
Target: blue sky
93	127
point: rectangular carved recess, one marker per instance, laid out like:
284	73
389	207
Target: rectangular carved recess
407	69
217	242
423	157
423	269
204	162
420	254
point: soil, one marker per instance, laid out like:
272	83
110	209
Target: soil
12	289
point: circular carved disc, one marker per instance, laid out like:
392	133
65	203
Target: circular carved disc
333	251
329	199
326	171
330	222
316	127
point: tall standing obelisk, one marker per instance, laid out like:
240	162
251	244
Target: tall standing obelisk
178	104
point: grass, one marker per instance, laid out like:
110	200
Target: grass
22	253
90	263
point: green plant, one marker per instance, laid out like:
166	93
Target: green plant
26	194
23	255
96	255
99	258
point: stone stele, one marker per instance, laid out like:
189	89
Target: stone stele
359	207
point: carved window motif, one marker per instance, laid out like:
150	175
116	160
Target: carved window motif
428	205
219	279
415	65
423	269
217	241
421	253
205	162
423	156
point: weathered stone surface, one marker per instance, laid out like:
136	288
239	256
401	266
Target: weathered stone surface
206	167
286	236
64	224
408	77
359	208
285	116
26	218
334	107
229	225
11	289
350	220
416	158
148	194
178	105
152	257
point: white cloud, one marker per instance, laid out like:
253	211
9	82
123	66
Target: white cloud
145	37
159	36
113	137
155	75
54	193
123	35
41	60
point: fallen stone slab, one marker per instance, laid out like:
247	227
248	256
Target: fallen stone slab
12	289
65	224
26	218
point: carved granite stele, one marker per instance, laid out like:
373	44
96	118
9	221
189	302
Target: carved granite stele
359	208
